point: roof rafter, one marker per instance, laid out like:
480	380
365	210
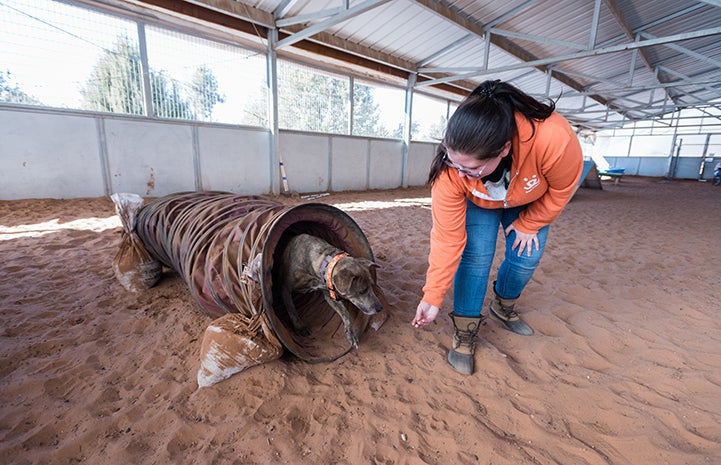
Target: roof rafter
468	72
509	46
612	6
341	16
505	40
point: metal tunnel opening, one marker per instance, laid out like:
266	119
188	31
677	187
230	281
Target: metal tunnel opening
226	247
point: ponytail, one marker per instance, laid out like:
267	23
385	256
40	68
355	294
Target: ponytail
521	102
485	121
437	165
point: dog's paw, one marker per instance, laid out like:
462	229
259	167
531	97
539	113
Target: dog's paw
352	338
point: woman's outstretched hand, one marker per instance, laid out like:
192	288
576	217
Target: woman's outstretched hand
523	241
425	314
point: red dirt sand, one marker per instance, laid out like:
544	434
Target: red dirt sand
624	367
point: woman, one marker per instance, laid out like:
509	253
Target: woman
509	160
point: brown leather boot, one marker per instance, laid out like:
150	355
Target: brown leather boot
503	310
464	342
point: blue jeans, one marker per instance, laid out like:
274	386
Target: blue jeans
471	279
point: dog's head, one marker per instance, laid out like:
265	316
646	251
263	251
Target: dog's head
352	281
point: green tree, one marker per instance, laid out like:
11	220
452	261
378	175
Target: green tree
398	133
366	113
13	94
437	130
116	85
168	101
255	112
312	101
204	93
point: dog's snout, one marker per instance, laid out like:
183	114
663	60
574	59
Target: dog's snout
372	309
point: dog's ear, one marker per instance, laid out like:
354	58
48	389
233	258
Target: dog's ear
343	280
368	263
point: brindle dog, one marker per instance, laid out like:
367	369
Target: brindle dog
309	263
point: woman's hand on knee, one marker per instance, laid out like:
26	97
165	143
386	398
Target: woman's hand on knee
523	241
425	314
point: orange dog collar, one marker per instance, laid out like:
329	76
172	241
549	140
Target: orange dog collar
329	274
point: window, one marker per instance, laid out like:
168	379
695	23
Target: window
311	100
430	116
199	79
59	55
378	111
48	51
63	56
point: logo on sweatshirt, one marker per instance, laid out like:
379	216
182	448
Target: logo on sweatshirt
531	183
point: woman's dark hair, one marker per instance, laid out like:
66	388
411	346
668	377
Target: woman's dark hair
484	122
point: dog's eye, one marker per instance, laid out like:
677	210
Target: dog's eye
362	289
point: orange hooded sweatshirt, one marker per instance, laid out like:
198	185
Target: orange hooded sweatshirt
545	170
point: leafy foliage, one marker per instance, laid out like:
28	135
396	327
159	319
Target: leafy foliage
204	93
310	101
12	93
366	113
116	85
313	101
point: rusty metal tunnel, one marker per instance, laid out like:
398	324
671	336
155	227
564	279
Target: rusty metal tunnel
225	245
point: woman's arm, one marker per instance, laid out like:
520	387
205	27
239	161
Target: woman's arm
561	165
448	237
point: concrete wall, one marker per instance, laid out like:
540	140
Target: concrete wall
685	167
234	160
65	154
57	154
149	158
49	155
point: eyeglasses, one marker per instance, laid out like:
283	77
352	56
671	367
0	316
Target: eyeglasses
470	174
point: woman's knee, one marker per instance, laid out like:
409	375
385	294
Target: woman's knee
524	261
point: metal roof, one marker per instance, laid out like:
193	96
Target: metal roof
605	61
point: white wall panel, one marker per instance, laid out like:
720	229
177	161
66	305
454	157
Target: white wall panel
687	168
306	159
234	160
56	155
349	163
385	164
49	156
148	158
642	166
420	156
